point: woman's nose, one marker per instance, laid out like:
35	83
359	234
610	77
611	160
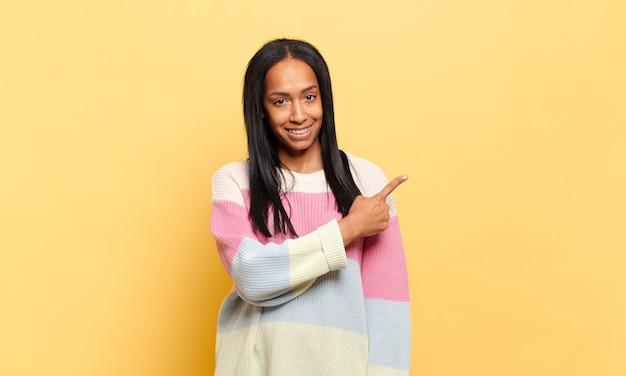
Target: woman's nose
298	114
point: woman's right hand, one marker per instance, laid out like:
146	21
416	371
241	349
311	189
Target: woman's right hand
368	215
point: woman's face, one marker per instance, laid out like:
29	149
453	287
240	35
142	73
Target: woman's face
293	108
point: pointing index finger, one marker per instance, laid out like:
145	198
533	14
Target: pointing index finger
386	191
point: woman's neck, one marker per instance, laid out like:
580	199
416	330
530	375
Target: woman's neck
307	162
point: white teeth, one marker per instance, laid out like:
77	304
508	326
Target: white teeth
299	131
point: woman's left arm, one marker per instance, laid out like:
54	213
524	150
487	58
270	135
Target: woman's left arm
386	287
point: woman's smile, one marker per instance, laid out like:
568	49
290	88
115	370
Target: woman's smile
300	131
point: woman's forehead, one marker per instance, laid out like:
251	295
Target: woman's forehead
290	73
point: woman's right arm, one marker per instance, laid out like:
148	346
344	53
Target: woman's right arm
273	273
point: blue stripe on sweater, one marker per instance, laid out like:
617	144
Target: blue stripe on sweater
262	272
334	300
390	337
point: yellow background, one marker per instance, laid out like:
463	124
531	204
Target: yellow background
509	117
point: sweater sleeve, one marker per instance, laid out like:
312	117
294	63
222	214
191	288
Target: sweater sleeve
385	286
268	273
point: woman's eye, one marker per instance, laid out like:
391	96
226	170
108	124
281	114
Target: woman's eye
279	102
310	97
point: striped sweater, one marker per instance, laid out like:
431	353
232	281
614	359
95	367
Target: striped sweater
308	305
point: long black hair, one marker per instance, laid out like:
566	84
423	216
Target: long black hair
264	164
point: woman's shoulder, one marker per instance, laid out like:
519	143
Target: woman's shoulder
362	164
230	179
367	175
233	168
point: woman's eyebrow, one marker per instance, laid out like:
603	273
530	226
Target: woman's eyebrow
286	94
308	88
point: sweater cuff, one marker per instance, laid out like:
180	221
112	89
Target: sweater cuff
332	245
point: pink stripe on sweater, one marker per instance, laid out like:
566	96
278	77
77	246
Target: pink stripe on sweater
229	225
313	210
383	266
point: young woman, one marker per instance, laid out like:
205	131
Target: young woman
309	235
